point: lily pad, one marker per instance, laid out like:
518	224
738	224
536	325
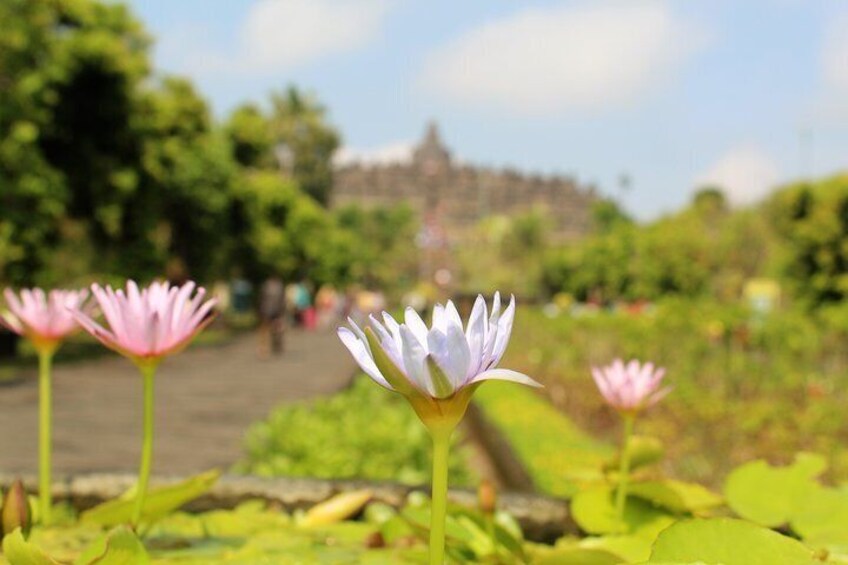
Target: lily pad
770	496
676	496
157	504
594	511
727	541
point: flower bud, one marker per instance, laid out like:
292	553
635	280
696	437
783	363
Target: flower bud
487	496
15	513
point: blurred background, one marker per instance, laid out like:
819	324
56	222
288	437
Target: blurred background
658	179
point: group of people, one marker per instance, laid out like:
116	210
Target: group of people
282	306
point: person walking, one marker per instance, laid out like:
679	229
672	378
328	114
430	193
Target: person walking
272	309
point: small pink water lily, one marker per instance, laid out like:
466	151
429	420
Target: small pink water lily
146	325
151	323
43	317
630	387
439	361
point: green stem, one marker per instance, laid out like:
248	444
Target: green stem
45	425
439	507
624	469
148	372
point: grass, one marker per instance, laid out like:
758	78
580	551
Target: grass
558	455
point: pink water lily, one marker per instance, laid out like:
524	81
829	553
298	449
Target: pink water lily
630	387
149	323
440	360
43	317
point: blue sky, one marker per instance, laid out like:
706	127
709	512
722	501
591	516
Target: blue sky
672	93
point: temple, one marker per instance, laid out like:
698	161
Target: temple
457	196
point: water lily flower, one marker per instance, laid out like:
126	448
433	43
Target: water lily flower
437	369
438	365
146	325
42	317
630	387
45	320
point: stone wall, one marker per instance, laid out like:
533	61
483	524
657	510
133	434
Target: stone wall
460	196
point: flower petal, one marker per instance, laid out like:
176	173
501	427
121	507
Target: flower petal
417	325
506	375
504	332
475	333
415	361
362	357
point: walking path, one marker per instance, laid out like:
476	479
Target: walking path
206	398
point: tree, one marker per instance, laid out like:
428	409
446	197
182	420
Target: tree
251	136
33	194
607	215
305	141
185	191
278	230
812	219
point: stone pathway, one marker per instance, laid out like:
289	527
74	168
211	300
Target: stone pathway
205	400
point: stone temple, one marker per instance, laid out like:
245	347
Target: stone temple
456	196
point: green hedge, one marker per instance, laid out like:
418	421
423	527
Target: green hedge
557	454
363	432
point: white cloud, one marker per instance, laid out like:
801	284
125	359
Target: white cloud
397	152
745	174
276	35
554	60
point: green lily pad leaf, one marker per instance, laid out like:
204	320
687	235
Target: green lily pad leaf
644	451
768	495
727	541
119	547
630	549
157	504
336	508
822	519
395	528
19	551
676	496
245	520
594	511
577	556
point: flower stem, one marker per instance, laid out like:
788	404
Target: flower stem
45	424
148	372
624	469
438	511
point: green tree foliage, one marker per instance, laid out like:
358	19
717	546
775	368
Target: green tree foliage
106	168
251	136
97	60
182	209
305	142
813	221
279	230
608	215
33	194
380	246
504	253
703	249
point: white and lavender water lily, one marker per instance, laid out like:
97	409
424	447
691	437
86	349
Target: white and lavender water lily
442	363
437	369
629	388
